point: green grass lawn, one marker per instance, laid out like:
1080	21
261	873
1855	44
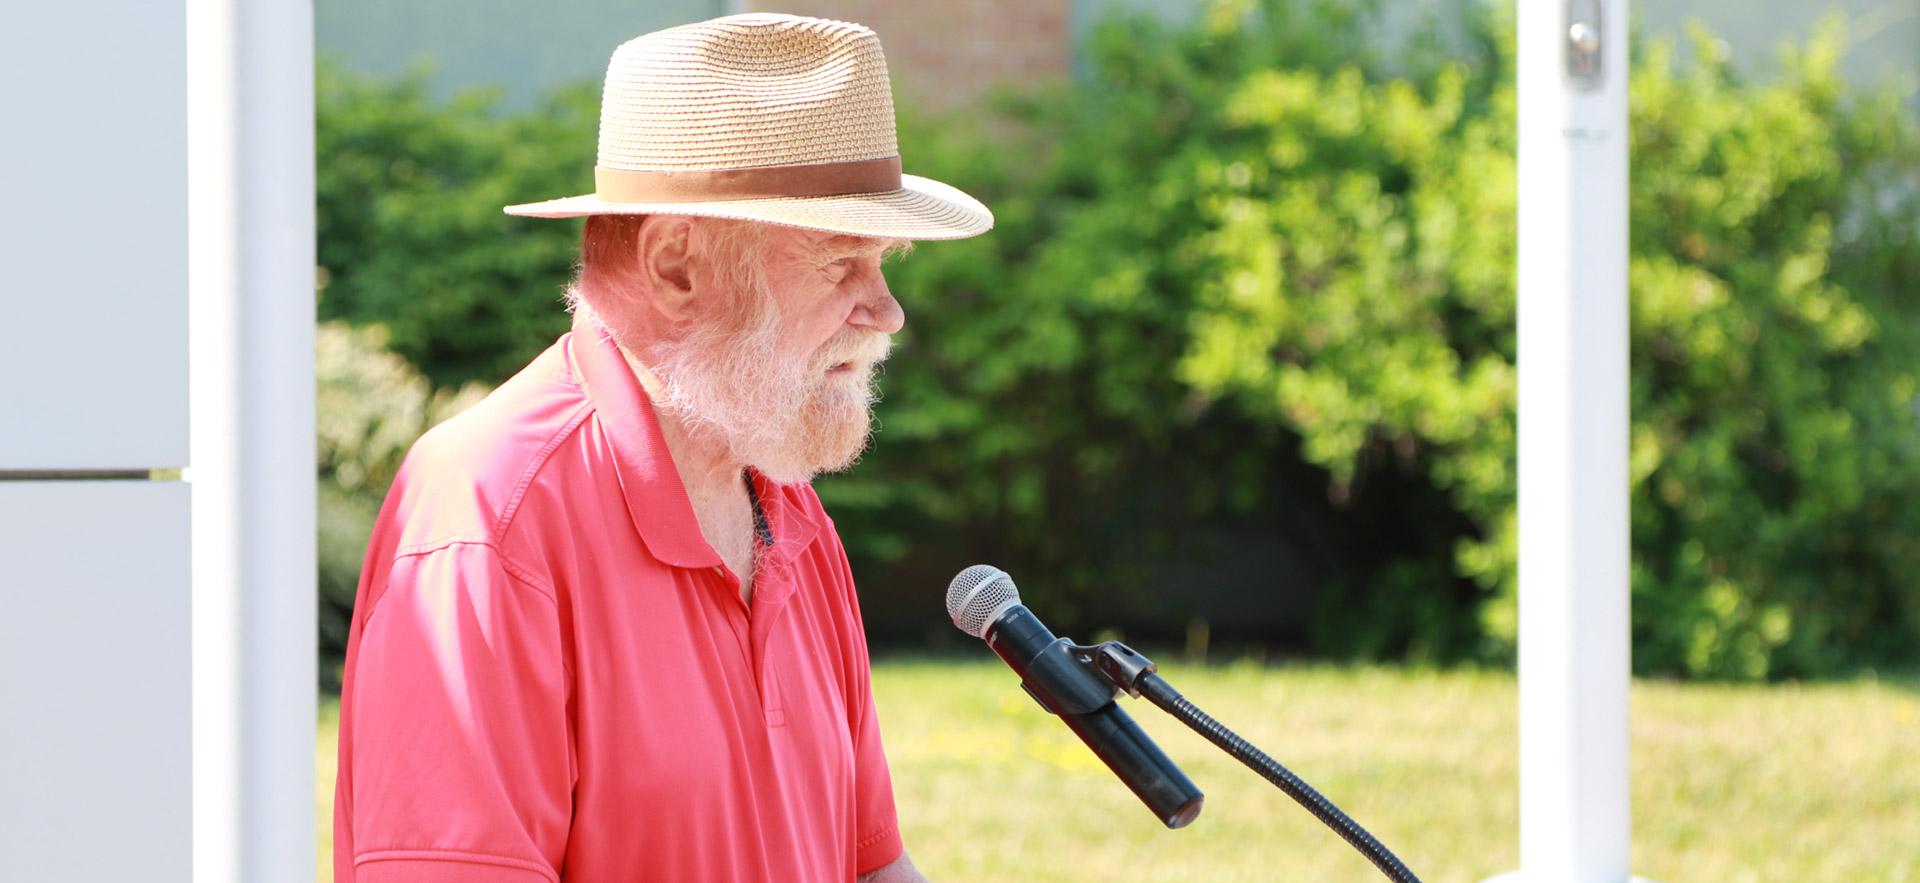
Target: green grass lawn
1730	783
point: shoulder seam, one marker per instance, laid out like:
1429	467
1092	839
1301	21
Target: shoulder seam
513	568
512	508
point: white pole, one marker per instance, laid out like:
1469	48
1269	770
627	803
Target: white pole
1574	643
251	463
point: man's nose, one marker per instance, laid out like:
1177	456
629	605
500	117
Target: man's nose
878	309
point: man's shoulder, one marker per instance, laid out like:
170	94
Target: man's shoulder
466	477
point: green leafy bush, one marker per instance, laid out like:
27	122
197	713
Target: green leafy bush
1239	249
1241	351
1776	414
1240	348
372	404
411	233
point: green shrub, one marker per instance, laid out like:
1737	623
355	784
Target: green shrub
1241	347
371	407
1776	421
411	233
1244	248
1240	343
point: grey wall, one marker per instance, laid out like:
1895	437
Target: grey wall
521	46
1885	33
527	47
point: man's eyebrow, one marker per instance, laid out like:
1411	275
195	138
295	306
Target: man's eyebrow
841	244
896	248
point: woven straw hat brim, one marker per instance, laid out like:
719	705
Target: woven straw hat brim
921	209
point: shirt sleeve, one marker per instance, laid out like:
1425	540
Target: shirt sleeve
879	838
463	766
877	824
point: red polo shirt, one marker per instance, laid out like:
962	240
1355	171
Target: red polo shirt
551	675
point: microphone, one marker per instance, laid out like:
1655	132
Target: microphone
983	603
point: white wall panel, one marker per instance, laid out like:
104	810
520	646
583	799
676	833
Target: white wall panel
95	684
93	303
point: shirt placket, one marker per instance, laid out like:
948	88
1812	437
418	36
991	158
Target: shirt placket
740	624
773	585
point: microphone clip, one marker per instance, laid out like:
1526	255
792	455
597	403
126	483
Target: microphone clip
1069	678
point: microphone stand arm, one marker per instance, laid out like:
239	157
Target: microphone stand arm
1138	676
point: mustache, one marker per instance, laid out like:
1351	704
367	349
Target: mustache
855	345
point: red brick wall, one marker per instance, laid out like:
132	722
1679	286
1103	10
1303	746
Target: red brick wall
944	54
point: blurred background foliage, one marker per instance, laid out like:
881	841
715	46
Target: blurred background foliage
1237	364
371	406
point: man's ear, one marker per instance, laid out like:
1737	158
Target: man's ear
664	245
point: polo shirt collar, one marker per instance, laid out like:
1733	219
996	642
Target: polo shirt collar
656	499
793	528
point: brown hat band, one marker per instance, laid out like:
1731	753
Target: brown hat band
760	182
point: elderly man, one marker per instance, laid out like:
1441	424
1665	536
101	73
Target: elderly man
605	631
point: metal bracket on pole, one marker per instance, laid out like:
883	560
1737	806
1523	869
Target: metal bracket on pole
1585	33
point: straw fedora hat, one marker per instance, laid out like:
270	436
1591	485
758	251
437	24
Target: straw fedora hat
761	117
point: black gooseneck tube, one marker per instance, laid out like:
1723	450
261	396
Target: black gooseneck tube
1080	684
1059	676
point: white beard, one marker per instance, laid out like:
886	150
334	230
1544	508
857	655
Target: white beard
790	421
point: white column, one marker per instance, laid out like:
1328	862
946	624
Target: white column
250	274
1573	432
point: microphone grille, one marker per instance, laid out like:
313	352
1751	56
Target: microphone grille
977	597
